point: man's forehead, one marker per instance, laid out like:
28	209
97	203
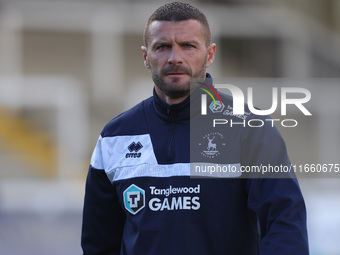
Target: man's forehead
186	28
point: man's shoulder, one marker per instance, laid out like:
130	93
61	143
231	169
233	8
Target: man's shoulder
129	122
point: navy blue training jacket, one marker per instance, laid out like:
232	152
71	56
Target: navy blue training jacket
141	198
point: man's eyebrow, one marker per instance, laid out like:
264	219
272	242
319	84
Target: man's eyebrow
165	42
160	42
190	42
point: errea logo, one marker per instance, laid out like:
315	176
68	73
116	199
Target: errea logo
134	199
134	148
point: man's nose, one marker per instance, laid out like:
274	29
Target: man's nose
175	57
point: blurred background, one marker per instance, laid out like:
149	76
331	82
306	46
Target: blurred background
69	66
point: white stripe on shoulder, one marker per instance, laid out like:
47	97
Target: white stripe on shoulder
123	151
97	159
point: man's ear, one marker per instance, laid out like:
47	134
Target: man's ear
211	54
145	57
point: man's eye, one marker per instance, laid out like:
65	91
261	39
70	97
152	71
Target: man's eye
161	47
188	45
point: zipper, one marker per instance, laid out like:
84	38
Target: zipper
170	155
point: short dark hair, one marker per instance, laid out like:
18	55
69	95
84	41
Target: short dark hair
176	12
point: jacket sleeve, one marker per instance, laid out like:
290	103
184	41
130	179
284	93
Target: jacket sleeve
103	217
275	198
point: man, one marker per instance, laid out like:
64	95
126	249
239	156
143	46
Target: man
140	197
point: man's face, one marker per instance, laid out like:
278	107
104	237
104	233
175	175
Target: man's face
177	52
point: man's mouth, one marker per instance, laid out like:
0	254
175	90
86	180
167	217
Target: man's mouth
176	73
